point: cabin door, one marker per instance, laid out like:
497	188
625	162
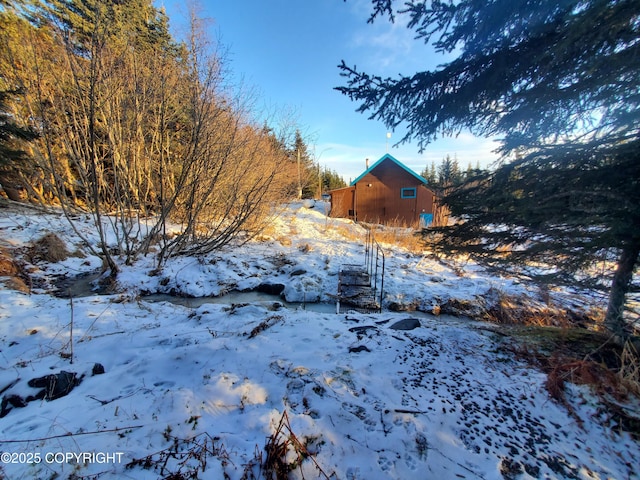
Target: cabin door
426	219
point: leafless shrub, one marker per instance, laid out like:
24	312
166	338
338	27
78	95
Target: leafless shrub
185	458
145	138
286	453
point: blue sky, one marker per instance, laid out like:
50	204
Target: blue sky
287	53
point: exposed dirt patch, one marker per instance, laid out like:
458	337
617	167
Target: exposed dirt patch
15	278
8	265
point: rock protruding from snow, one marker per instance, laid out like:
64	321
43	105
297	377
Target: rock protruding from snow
271	288
55	385
406	324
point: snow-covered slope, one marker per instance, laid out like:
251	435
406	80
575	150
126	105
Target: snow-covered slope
187	387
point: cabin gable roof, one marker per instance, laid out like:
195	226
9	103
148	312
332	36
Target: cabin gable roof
395	161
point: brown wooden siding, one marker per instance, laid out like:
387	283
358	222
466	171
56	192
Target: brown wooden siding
342	202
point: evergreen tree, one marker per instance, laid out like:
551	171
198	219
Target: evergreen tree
469	172
331	180
444	175
306	183
448	172
12	140
433	173
560	83
430	175
11	134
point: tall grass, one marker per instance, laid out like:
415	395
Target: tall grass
397	235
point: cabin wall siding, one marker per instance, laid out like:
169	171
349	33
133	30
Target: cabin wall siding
342	203
376	197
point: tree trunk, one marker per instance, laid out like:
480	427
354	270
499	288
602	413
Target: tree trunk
614	321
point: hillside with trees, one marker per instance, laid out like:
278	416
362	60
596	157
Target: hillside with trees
104	111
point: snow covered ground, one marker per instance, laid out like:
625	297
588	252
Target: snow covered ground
202	388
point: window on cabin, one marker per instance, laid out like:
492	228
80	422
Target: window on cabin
408	192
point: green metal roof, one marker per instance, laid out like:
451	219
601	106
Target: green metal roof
394	160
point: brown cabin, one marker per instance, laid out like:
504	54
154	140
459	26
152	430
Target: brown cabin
387	193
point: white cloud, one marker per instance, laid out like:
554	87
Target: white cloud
387	49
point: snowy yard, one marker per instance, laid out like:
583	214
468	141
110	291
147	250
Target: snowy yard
204	388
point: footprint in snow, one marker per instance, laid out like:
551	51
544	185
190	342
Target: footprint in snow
353	473
295	394
385	463
361	413
410	461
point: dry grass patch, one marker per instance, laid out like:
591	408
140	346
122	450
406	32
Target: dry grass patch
498	307
285	241
629	372
350	233
614	387
49	248
584	357
523	310
399	236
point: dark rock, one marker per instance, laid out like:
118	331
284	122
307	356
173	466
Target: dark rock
39	382
363	329
271	288
297	272
319	390
358	349
14	400
98	369
406	324
275	307
55	385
